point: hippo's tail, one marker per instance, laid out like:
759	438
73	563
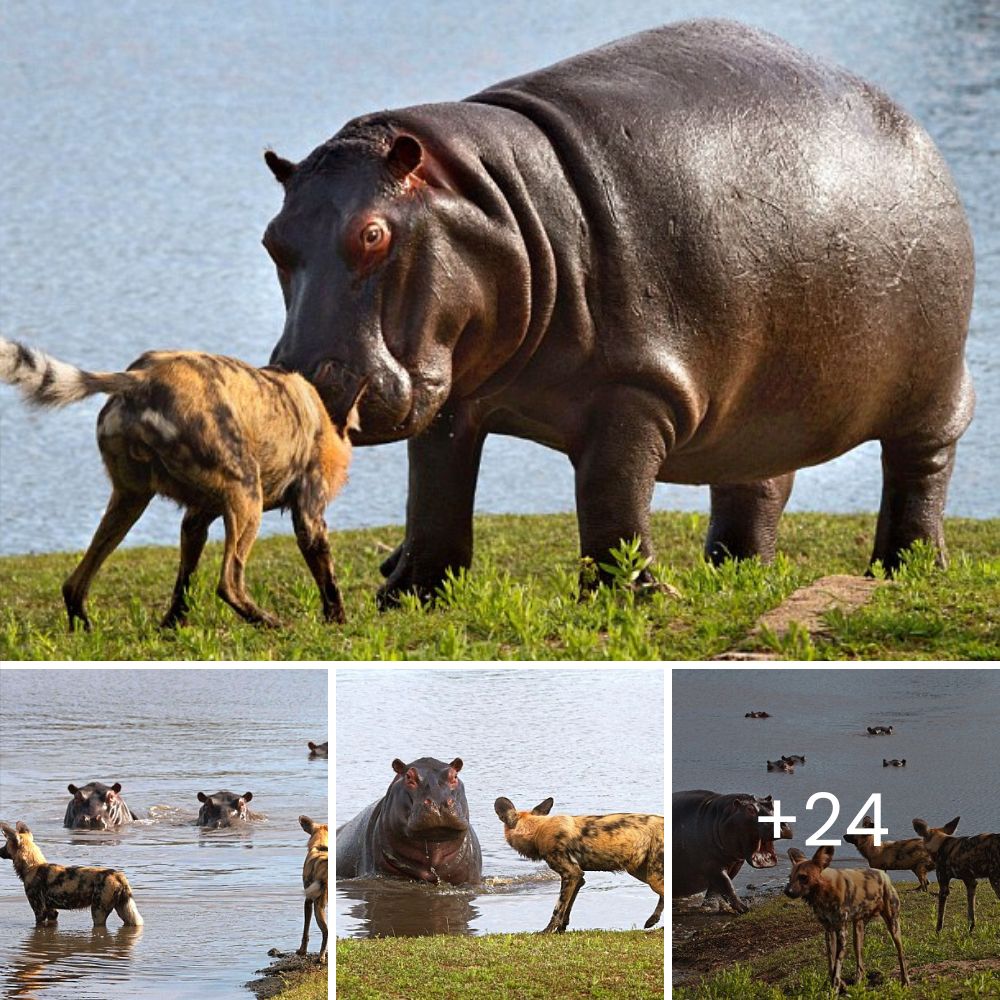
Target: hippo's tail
45	381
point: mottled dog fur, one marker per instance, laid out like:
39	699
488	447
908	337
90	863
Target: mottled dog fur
571	845
965	858
218	436
842	896
51	888
314	881
894	855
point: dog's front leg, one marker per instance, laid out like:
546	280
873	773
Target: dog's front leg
970	892
840	946
572	881
859	948
943	890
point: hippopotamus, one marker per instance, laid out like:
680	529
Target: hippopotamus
781	765
793	758
894	762
757	715
224	809
419	829
319	749
96	806
714	834
879	730
695	255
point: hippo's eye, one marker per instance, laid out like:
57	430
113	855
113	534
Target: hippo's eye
373	236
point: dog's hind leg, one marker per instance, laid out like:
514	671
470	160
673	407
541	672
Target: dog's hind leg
123	510
970	892
892	923
307	910
859	950
194	534
321	923
655	883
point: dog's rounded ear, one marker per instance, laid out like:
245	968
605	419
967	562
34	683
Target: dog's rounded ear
920	825
823	856
506	812
22	827
8	831
542	809
202	797
949	828
306	823
795	855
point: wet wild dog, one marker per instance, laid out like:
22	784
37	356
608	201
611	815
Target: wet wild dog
893	855
314	881
842	896
571	845
964	858
51	888
219	437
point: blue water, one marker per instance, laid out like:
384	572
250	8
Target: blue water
134	197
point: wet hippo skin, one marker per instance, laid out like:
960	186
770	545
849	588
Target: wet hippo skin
697	255
419	829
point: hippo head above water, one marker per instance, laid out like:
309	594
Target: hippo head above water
96	806
757	844
223	809
427	799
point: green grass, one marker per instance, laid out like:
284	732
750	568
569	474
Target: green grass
578	965
781	953
311	986
520	600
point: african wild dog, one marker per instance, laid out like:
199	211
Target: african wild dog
571	845
218	436
314	881
51	888
965	858
839	896
893	855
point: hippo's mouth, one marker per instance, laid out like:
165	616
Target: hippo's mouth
763	855
407	869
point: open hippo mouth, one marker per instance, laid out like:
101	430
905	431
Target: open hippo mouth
763	855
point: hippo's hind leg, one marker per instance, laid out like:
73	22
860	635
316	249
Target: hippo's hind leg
744	521
915	479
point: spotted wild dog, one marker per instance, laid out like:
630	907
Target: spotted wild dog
571	845
314	881
842	896
893	855
219	437
965	858
51	888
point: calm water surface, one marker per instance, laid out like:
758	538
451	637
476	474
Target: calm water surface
524	734
945	726
214	902
133	218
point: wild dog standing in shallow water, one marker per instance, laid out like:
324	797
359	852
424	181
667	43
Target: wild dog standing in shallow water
218	436
839	896
314	881
965	858
894	855
51	888
571	845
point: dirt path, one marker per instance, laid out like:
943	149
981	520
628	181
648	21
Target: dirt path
806	606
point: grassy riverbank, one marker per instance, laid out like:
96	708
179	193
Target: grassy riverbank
578	965
520	602
777	951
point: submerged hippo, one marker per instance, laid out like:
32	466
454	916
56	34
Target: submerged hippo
319	749
224	809
714	835
696	255
96	806
419	829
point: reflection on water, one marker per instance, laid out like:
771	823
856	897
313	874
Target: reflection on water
213	901
525	734
149	237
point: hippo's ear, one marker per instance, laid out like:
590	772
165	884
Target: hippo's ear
312	746
399	767
506	812
795	856
404	157
281	168
73	790
949	828
542	809
202	797
116	787
247	796
456	764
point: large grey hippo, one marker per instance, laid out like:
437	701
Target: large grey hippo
696	255
713	835
419	829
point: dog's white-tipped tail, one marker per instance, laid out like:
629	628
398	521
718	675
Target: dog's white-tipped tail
130	915
315	889
46	381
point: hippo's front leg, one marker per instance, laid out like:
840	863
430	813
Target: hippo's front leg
444	466
622	447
